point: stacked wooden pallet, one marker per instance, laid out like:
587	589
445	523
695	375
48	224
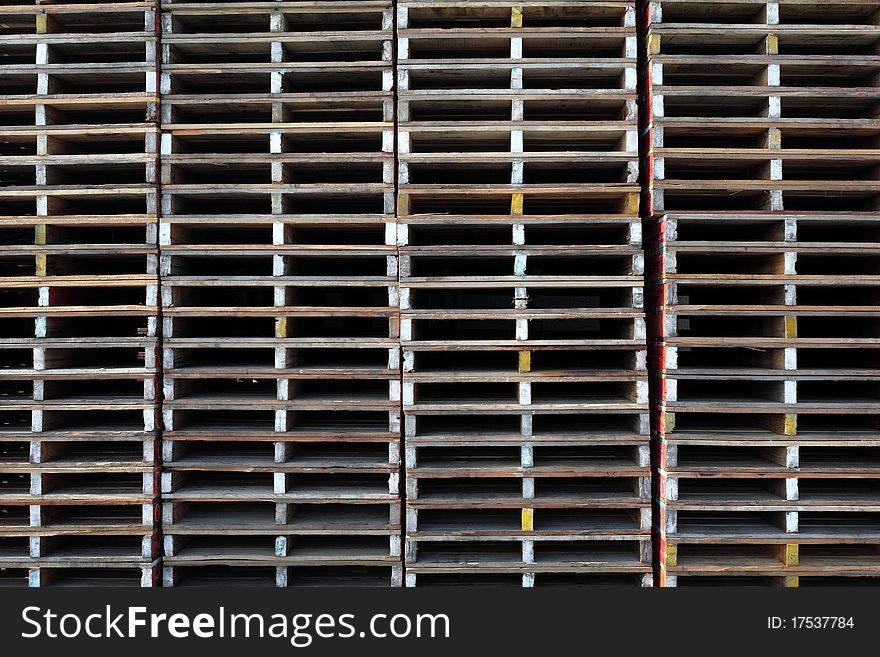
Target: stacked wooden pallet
525	391
279	270
764	173
78	283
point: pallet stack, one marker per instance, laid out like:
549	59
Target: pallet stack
763	167
525	387
78	282
346	220
279	270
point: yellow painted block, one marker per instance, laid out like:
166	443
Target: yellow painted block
791	327
791	555
654	44
40	238
790	424
528	520
525	361
632	204
774	138
792	582
516	17
671	555
772	44
403	204
668	422
516	204
42	23
280	327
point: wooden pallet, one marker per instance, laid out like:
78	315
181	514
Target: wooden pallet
541	579
303	575
79	573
